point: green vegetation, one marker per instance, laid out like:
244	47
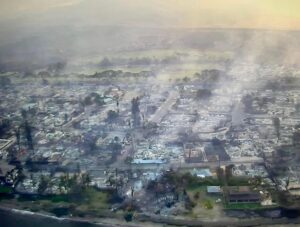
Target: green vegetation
59	198
187	180
77	197
90	200
226	178
128	216
208	204
191	182
202	182
95	199
238	181
203	205
5	190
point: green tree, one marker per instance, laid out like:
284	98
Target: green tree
220	175
228	172
63	182
43	184
196	195
85	179
128	216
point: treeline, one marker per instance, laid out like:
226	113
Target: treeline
211	75
119	73
138	61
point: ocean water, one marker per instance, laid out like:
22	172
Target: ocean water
10	218
17	218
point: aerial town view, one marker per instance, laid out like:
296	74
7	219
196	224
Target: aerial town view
149	113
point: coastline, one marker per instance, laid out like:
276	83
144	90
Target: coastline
38	217
14	217
48	220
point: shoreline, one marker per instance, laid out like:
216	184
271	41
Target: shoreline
76	221
41	215
153	220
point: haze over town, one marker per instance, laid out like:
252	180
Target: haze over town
149	113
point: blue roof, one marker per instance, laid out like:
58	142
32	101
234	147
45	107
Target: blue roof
202	172
148	161
213	189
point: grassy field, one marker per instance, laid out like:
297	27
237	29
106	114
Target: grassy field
91	200
206	206
94	199
5	189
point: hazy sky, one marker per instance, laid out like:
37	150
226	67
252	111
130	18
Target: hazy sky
269	14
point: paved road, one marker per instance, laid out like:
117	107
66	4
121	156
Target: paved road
243	160
81	116
77	118
9	143
165	107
